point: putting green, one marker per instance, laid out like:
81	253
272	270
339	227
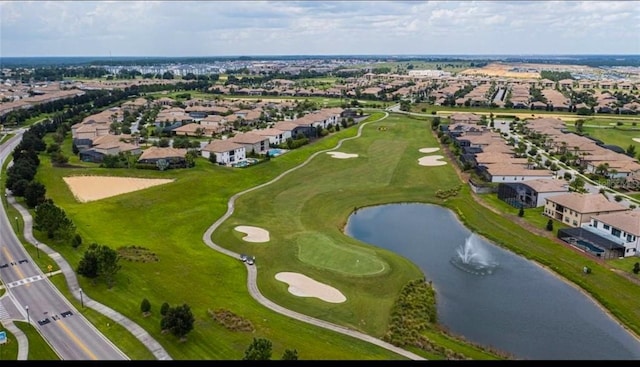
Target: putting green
321	251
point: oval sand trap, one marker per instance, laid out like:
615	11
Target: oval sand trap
90	188
254	234
429	150
341	155
302	286
431	160
637	140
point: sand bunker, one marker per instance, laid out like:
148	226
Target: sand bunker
637	140
429	150
431	160
303	286
341	155
90	188
254	234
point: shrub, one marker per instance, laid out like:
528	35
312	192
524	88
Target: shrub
618	198
550	225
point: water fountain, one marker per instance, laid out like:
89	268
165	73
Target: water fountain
473	258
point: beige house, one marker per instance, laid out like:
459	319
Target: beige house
575	209
252	142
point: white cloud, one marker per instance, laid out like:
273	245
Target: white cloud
174	28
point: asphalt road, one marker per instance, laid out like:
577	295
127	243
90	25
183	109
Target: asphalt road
30	296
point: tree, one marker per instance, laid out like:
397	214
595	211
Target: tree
53	221
77	241
636	268
550	225
290	355
88	266
631	150
145	307
521	212
99	261
258	350
108	264
178	320
34	194
164	309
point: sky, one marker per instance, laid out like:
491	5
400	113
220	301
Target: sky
254	28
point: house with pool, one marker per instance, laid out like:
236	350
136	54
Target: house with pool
225	152
620	227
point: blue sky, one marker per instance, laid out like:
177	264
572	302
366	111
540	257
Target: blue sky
221	28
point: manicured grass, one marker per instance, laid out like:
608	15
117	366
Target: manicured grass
6	138
172	228
9	350
625	264
314	201
621	138
39	349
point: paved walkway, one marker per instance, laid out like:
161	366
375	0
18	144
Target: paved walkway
72	282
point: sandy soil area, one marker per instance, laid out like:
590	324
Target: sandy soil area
254	234
302	286
341	155
91	188
431	160
429	150
637	140
502	70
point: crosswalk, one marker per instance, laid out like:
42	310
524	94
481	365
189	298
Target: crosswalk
4	315
24	281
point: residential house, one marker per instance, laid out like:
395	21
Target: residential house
575	209
531	193
253	143
176	158
225	152
621	227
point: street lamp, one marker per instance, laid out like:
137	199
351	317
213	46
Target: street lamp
28	318
17	224
38	249
81	299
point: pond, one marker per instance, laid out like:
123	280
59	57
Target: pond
511	304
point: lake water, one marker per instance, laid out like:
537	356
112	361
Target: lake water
520	308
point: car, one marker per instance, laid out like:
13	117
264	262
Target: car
251	260
244	257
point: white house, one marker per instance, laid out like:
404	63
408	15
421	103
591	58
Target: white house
621	227
226	152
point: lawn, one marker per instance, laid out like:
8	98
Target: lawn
305	213
619	137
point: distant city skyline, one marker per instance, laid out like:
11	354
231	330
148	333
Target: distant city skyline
259	28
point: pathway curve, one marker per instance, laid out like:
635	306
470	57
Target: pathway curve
253	271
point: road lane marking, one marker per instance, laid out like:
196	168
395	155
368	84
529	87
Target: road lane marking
10	258
75	339
24	281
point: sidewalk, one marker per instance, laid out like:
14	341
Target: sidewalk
72	282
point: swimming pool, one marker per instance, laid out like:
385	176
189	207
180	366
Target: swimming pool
589	247
247	162
274	152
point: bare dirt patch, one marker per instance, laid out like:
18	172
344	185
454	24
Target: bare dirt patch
302	286
91	188
637	140
254	234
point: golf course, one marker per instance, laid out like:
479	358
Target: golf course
304	213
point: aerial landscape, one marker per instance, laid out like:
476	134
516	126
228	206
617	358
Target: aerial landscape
319	180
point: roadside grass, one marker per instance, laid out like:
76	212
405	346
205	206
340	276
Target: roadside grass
6	137
170	220
39	349
449	342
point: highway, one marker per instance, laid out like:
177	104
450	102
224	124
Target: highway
30	296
